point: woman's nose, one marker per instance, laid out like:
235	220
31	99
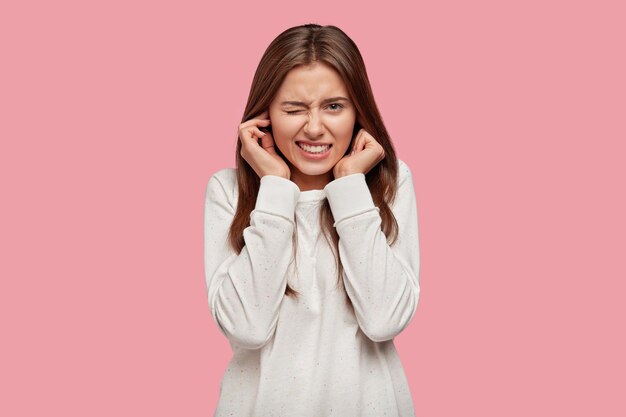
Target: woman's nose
314	126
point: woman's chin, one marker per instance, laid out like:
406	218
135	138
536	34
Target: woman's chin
313	171
313	168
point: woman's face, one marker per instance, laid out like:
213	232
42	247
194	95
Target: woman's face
312	106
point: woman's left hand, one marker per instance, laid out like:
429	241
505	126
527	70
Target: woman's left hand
366	154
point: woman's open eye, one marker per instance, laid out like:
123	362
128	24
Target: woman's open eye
336	104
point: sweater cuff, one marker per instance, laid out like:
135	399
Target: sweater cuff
277	195
349	196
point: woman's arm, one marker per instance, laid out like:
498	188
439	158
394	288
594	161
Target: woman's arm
381	281
245	291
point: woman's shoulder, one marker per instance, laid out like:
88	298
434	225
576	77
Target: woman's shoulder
404	171
226	180
225	175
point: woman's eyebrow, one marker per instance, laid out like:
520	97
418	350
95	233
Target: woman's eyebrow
301	103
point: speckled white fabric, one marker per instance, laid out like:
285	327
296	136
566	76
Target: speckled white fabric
312	355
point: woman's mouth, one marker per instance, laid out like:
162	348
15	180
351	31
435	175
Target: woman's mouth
314	152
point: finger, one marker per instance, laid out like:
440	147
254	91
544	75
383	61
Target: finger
267	142
254	122
258	133
357	142
371	143
360	144
260	122
363	143
265	117
252	133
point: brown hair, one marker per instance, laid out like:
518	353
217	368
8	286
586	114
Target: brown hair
301	46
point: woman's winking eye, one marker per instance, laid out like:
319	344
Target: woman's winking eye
332	104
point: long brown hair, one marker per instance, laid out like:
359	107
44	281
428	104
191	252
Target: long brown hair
301	46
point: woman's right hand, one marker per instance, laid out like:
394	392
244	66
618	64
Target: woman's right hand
262	158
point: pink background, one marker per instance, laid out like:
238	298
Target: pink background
115	114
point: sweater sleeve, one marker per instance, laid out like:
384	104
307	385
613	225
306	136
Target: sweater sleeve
245	290
381	281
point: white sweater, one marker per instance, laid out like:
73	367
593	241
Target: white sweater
312	356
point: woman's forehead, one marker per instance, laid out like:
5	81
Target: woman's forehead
308	90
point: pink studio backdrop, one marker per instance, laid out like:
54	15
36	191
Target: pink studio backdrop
115	114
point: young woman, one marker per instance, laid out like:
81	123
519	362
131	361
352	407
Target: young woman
311	243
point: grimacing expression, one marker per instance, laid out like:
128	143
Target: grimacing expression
312	105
